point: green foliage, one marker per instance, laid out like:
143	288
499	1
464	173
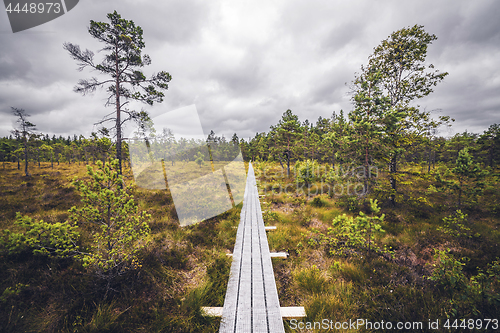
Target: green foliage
486	285
307	172
199	159
349	235
349	202
466	296
43	238
122	64
447	272
24	131
119	230
318	202
466	171
395	76
11	292
283	136
455	225
449	277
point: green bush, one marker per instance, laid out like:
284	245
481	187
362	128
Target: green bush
42	238
349	235
307	172
318	202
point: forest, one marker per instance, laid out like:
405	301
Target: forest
383	215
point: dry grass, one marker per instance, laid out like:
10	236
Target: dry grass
379	288
186	268
182	268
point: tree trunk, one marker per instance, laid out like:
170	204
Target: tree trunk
460	196
392	179
287	163
118	121
26	157
366	168
288	157
429	161
281	162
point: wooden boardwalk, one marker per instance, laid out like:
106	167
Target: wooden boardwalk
251	303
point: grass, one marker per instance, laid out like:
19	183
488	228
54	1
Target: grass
184	268
378	287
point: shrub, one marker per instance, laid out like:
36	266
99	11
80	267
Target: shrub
349	235
307	172
454	225
119	230
318	202
43	238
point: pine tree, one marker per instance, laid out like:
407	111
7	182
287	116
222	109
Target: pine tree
403	78
286	132
24	131
119	230
124	43
367	117
465	170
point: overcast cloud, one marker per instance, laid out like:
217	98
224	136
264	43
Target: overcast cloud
243	63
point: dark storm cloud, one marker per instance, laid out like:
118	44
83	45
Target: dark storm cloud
244	63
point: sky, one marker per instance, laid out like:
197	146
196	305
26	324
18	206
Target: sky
242	64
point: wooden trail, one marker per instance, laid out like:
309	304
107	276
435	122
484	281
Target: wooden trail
251	303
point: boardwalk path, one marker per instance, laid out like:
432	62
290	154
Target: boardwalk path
251	303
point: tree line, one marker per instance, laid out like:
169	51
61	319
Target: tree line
30	146
329	140
385	128
24	147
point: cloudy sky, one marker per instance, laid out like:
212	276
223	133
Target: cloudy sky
243	63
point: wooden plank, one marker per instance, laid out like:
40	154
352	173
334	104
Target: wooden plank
290	312
270	228
231	300
287	312
275	322
244	308
279	255
212	311
259	313
251	303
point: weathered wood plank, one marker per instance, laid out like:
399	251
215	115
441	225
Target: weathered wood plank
251	303
287	312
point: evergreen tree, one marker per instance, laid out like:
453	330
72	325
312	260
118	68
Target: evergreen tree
119	230
489	142
403	78
124	43
367	117
466	170
286	132
23	132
